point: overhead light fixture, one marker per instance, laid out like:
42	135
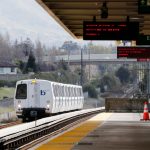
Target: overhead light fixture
94	18
104	10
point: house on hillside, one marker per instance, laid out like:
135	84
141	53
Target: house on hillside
7	68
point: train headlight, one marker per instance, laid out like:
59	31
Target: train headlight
47	105
19	107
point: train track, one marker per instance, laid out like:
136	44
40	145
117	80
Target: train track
22	141
52	134
10	124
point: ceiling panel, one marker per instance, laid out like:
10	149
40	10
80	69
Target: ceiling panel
70	14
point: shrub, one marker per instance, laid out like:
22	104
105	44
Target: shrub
91	91
7	83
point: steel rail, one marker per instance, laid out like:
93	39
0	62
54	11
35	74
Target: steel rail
10	124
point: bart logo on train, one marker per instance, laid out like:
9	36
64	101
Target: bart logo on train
43	92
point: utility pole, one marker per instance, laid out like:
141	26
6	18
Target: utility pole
81	77
148	81
89	64
68	48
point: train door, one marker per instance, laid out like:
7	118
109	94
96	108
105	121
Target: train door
34	92
37	95
21	96
61	98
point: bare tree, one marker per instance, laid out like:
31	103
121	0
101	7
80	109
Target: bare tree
5	49
39	52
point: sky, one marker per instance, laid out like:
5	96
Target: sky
26	18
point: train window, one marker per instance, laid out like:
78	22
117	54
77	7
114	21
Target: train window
80	92
63	91
54	88
57	90
72	92
75	92
21	92
69	89
60	90
67	92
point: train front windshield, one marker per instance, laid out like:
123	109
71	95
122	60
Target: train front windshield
21	92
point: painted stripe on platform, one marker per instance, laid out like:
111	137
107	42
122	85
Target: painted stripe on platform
67	140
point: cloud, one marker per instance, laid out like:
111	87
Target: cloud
22	18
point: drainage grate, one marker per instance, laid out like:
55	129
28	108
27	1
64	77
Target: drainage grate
85	143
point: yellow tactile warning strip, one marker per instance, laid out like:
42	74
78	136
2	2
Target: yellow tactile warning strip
67	140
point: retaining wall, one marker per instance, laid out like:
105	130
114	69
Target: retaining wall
8	116
124	105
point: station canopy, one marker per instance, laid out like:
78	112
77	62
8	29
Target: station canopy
70	14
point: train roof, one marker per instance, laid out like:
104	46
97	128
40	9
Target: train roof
53	82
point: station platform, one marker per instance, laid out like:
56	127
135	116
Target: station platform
105	131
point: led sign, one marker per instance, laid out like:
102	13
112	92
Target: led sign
110	30
133	52
144	6
143	59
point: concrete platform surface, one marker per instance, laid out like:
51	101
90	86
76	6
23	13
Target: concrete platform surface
121	131
66	140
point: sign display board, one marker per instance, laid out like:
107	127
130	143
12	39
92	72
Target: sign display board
133	52
143	40
144	6
143	59
110	30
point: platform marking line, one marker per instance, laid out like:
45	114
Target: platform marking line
67	140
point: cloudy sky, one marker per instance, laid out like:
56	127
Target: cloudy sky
26	18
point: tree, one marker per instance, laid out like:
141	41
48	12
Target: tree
91	90
39	52
27	47
31	65
5	49
143	85
62	65
21	65
123	74
110	82
17	49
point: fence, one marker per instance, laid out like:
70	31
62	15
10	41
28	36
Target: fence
14	77
124	105
8	116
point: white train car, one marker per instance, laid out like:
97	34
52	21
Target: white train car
40	98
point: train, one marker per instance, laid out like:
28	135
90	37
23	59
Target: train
36	98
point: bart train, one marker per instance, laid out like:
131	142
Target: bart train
35	98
